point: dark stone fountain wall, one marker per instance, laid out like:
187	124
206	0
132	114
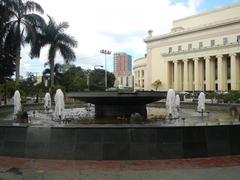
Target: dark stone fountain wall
119	142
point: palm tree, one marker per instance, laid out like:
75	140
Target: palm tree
53	34
7	42
22	22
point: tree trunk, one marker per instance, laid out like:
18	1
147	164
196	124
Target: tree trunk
18	65
52	72
18	51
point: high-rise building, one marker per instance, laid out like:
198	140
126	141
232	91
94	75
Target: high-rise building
122	68
122	64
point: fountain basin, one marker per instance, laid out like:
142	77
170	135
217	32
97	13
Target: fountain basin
119	142
114	104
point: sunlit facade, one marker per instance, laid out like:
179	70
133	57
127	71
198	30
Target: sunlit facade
202	52
139	72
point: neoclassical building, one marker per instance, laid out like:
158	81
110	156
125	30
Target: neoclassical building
139	72
202	52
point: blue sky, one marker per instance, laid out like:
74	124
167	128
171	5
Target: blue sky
118	25
206	5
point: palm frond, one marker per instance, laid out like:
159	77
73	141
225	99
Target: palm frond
67	52
35	20
66	39
32	6
61	26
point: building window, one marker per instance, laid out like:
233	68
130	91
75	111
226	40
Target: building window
169	49
238	38
142	73
212	43
189	46
225	41
179	48
200	45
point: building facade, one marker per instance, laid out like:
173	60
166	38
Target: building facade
140	71
122	69
202	52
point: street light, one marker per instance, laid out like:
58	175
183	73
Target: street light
106	52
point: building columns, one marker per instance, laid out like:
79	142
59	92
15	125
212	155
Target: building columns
233	62
196	75
207	73
220	72
185	75
191	75
176	75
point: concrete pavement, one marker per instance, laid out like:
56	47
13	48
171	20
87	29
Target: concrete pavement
219	168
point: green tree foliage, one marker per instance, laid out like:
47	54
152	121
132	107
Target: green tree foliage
27	87
74	79
97	80
157	84
7	89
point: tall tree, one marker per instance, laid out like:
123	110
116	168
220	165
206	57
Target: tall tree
22	23
7	42
53	34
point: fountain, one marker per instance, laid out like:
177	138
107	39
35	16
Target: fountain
153	140
170	104
177	105
47	102
201	103
17	102
59	105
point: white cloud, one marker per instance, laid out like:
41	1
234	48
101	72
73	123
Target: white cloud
113	25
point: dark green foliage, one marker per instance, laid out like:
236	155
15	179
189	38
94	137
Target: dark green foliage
74	79
97	80
227	97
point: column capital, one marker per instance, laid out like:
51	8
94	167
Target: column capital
185	60
195	59
207	57
233	54
175	61
219	56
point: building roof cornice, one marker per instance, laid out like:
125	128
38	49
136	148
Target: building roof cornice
192	30
208	12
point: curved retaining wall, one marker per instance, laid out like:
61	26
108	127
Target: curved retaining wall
119	142
191	105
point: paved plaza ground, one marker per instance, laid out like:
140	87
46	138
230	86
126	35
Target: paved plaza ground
219	168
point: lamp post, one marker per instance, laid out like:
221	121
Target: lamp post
105	52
